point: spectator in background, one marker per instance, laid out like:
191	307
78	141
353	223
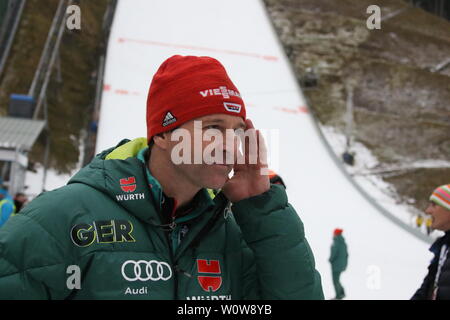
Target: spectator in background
429	224
436	285
6	205
419	221
19	201
338	260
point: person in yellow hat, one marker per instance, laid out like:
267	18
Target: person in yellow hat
428	224
419	221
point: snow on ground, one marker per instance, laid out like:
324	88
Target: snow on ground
382	192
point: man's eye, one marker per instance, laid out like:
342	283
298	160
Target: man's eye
212	126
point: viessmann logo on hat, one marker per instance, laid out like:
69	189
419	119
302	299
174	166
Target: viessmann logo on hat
224	91
226	94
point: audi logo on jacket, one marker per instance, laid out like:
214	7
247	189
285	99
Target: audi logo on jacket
126	248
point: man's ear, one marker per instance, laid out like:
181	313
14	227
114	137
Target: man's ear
162	140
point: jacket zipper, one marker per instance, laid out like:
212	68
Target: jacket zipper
167	234
167	230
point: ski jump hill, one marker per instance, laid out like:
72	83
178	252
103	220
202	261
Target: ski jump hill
385	260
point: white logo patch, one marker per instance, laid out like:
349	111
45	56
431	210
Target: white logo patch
232	107
168	119
146	270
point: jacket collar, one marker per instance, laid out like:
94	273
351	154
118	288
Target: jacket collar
436	246
121	173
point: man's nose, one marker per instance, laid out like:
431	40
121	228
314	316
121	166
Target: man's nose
231	144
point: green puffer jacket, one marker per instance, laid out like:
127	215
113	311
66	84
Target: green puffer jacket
103	237
339	254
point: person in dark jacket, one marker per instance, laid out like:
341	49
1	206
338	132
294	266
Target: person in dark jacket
436	285
338	260
140	222
20	200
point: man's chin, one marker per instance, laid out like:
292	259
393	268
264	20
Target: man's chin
216	176
435	226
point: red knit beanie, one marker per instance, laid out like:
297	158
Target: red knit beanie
189	87
337	232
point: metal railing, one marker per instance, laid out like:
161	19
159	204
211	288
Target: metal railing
44	60
44	71
89	147
49	69
438	7
9	29
107	23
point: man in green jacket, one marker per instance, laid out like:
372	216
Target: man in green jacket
141	221
338	260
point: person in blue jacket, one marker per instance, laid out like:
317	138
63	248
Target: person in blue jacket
6	205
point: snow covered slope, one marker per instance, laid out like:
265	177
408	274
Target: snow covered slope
385	262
